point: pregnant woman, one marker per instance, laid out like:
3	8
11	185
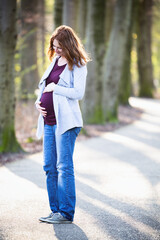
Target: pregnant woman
60	119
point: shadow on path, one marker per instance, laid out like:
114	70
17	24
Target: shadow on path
118	219
69	231
113	225
119	149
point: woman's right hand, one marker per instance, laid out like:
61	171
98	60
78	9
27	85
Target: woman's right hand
41	109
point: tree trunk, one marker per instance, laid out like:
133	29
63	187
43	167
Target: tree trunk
57	13
95	44
110	5
30	76
125	82
81	21
113	63
8	36
41	32
144	48
70	13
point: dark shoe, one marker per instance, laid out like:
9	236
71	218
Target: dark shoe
57	218
43	219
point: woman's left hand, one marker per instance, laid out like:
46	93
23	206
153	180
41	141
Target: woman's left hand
49	87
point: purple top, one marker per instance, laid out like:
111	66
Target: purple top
47	98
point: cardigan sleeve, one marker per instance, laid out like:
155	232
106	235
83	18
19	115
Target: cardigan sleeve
41	88
79	83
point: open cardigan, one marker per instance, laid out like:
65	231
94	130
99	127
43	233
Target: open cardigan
69	89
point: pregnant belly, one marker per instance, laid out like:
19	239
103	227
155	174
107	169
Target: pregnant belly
47	102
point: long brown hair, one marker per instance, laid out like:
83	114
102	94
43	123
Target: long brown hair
71	45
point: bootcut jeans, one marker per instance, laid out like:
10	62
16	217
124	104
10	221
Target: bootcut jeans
59	169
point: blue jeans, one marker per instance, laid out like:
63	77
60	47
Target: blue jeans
59	169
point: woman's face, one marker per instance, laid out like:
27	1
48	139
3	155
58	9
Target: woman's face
57	48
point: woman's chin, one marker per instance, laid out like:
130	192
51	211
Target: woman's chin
58	54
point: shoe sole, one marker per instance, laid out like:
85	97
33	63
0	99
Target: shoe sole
43	220
59	222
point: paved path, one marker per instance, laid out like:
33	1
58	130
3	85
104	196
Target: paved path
118	187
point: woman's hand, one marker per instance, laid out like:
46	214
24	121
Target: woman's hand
41	109
49	87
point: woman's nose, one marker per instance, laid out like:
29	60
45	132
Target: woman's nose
56	50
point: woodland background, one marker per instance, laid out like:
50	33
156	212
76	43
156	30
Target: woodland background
121	36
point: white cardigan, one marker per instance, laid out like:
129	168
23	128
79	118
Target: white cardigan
69	89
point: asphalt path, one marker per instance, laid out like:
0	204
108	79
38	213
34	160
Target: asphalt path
117	182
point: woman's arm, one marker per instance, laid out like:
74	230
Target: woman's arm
41	88
77	92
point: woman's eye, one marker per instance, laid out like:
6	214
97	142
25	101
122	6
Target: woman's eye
57	48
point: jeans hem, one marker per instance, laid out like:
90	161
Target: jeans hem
64	215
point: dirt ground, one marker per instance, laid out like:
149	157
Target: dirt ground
26	117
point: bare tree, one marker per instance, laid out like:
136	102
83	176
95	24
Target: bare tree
144	26
110	5
95	44
82	18
8	36
114	58
58	12
125	82
70	13
41	28
29	71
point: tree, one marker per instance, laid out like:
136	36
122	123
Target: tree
41	28
114	58
125	82
70	13
156	43
110	5
144	26
57	13
30	76
81	21
8	36
95	44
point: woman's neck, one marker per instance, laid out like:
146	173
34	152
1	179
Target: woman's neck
62	60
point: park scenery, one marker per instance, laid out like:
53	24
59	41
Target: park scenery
117	152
